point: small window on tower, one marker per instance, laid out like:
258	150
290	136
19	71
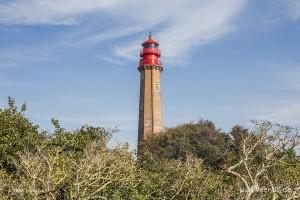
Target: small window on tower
156	87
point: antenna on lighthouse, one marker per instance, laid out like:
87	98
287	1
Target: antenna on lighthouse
150	34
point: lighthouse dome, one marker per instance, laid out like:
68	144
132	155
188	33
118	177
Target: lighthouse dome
150	42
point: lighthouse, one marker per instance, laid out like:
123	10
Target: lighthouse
150	108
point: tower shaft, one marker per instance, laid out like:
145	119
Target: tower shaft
150	112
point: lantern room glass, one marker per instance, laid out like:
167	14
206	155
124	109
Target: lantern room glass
150	46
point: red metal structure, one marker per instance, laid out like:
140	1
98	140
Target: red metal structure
150	54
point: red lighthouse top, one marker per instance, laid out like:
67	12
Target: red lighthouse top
150	40
150	54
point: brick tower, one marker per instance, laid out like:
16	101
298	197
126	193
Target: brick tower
150	111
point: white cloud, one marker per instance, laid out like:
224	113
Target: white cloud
288	114
111	60
99	37
18	55
186	24
179	25
49	11
284	107
293	8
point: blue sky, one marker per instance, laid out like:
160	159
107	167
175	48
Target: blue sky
227	61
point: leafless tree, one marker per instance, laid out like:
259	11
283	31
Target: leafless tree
99	169
46	173
260	150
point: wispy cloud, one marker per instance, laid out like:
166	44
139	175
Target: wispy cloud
293	8
186	25
19	55
179	25
110	59
115	33
59	12
284	109
286	114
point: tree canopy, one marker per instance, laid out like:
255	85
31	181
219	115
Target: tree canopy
201	139
190	161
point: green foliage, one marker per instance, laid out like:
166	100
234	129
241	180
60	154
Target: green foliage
200	139
17	135
192	161
176	179
76	141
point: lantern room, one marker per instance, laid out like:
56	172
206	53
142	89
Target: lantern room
150	54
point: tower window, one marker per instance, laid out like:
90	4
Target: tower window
156	87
